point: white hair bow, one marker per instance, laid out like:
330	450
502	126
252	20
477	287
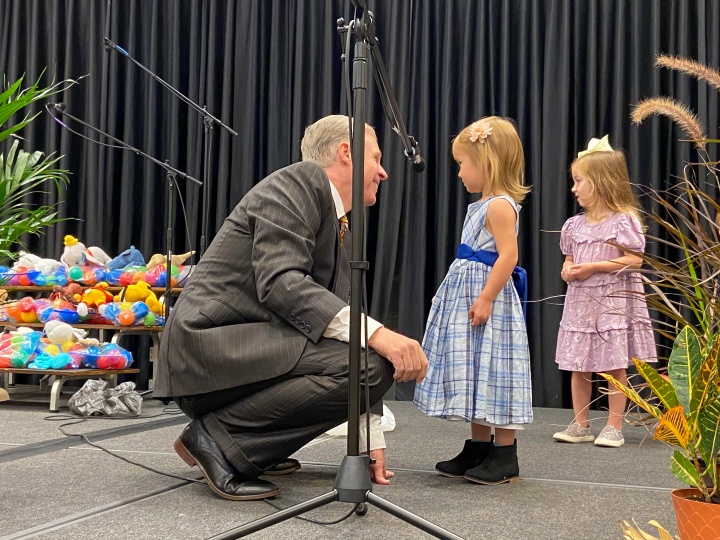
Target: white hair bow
597	145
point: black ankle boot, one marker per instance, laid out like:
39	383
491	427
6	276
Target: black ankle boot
500	466
472	455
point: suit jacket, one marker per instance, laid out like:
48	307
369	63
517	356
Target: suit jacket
263	288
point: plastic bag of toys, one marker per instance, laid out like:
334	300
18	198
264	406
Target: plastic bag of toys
17	349
106	356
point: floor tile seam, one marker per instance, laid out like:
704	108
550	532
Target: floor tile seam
73	519
522	478
89	448
72	439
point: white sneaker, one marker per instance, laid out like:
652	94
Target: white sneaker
574	434
610	437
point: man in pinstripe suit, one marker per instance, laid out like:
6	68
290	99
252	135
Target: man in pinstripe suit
255	350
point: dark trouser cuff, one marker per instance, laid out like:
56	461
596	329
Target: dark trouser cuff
229	447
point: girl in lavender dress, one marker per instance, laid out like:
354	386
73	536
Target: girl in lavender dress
605	322
475	339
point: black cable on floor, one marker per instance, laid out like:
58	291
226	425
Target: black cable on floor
166	412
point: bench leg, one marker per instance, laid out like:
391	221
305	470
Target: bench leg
153	357
55	393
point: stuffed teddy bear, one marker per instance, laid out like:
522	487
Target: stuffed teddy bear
71	293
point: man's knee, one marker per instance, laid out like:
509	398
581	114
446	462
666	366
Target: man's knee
380	373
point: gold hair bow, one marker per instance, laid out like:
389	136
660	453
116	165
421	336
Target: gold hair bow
597	145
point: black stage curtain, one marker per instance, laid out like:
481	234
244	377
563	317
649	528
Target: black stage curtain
564	70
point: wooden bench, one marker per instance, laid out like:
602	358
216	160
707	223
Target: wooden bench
59	376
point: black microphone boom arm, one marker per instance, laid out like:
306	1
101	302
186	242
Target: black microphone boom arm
387	96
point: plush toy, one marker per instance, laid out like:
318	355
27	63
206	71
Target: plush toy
70	293
28	260
129	257
74	252
60	334
175	260
96	296
94	256
140	292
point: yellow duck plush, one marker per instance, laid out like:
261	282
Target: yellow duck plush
140	292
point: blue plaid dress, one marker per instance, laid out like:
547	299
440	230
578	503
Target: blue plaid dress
481	372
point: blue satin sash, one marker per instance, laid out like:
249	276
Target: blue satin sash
519	275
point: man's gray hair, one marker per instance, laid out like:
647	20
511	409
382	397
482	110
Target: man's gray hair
321	139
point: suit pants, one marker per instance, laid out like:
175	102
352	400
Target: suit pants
259	425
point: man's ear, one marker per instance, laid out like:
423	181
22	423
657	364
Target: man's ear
344	153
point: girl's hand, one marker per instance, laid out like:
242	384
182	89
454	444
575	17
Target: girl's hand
565	274
480	311
580	272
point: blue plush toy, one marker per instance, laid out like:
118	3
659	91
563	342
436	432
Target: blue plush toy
129	257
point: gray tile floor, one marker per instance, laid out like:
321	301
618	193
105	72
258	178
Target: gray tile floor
57	488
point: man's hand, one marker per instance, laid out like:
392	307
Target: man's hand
378	473
405	354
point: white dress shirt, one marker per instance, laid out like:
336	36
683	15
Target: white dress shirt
339	328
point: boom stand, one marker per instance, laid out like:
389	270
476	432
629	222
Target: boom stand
208	120
172	173
352	483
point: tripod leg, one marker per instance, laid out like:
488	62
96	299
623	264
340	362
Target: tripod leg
277	517
412	519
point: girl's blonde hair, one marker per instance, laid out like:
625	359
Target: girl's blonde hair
607	174
501	149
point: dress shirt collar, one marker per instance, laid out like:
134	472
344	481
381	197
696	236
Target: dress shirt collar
339	207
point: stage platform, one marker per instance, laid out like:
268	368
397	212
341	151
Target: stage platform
56	487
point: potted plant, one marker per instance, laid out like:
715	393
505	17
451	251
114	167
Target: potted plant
686	401
24	174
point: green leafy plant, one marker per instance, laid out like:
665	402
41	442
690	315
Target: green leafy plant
24	175
684	290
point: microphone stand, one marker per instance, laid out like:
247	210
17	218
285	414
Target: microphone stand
352	483
208	121
172	173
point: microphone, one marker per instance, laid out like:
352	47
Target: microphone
106	38
418	164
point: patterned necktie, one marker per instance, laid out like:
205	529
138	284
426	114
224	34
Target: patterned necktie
343	229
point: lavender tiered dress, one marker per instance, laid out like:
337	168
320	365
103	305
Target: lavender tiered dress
605	322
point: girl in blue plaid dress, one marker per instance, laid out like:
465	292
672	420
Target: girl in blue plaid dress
475	339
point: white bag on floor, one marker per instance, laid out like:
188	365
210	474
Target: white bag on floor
95	398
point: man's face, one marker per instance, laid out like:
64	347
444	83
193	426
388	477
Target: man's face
374	172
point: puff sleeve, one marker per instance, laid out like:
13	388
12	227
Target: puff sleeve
566	236
630	233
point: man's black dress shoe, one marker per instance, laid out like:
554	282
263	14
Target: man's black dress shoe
284	467
196	447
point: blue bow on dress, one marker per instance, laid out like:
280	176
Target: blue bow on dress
519	275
